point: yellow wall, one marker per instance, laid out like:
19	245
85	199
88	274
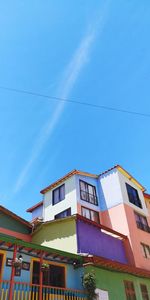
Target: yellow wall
60	234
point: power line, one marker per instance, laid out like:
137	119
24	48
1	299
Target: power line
74	101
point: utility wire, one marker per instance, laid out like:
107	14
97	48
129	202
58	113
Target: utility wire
74	101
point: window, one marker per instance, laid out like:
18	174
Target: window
90	214
145	250
55	276
133	195
141	222
129	290
63	214
88	192
144	292
58	194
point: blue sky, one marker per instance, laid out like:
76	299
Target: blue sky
91	51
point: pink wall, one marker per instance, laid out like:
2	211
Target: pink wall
122	219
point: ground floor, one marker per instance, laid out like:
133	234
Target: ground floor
32	272
115	285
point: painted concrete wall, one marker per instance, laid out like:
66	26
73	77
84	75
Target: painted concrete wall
113	282
49	210
37	212
122	181
8	222
109	190
60	234
121	218
93	241
73	276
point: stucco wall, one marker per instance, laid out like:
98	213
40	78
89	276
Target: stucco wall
37	212
60	234
93	241
73	276
113	282
8	222
49	210
109	190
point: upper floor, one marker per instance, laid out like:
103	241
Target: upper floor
90	195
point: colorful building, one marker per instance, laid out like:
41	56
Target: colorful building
32	272
85	223
114	199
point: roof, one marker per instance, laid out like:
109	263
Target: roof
14	216
35	206
74	172
30	248
105	263
77	172
126	174
147	196
68	175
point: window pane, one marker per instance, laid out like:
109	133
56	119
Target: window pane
86	213
57	276
94	216
83	185
88	192
58	194
62	192
133	195
90	189
63	214
129	289
144	292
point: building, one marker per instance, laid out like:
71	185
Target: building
31	271
114	199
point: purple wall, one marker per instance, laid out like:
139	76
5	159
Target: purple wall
91	240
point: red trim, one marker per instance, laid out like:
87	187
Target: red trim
18	235
110	264
147	196
101	226
12	274
35	206
41	277
14	216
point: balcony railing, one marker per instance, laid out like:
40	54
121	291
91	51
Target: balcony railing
142	226
89	197
26	291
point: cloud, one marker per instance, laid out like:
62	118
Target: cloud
69	79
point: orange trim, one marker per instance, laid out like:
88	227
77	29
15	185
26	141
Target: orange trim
35	206
18	235
68	175
14	216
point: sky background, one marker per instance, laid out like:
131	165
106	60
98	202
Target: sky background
90	51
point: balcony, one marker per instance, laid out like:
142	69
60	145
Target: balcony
142	226
26	291
89	197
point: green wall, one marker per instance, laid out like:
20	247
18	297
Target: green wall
59	235
9	223
113	282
